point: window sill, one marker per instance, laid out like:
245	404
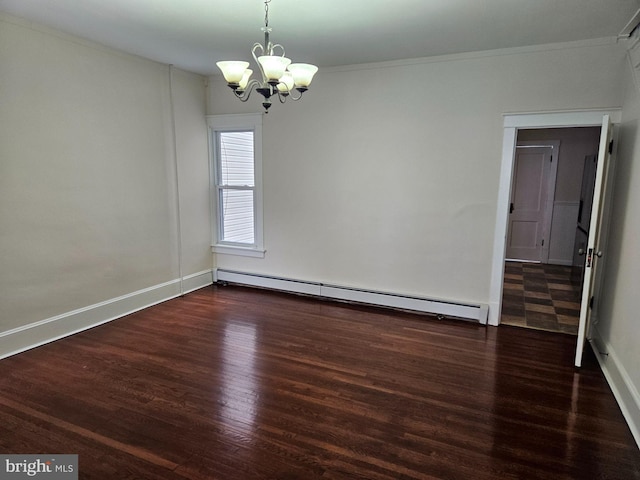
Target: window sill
242	251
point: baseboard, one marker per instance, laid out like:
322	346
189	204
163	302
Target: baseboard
44	331
620	383
196	281
478	312
560	261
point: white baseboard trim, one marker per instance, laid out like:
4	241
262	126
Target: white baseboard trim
478	312
44	331
195	281
620	383
560	261
495	309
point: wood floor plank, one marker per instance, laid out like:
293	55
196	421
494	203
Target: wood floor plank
234	383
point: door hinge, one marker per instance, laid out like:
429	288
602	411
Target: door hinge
591	302
551	159
542	244
610	147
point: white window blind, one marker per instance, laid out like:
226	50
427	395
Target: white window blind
236	187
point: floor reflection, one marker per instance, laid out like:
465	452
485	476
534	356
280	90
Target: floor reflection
239	393
540	411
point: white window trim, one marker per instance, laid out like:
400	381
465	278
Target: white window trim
221	123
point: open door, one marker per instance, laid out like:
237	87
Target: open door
595	239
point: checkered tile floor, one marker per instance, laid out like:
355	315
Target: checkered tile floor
540	296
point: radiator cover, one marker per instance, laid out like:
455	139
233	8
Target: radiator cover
477	312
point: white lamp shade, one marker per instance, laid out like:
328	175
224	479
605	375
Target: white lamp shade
273	66
286	83
233	71
245	78
302	73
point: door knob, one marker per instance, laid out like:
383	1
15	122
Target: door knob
599	253
580	251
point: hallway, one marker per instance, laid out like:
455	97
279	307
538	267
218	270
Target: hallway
541	297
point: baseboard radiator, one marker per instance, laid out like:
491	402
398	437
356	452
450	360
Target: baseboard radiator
477	312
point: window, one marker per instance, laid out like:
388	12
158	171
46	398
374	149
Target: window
235	187
236	142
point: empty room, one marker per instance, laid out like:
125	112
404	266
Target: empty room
319	240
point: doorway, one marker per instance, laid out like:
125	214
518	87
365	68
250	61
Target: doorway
541	288
594	262
513	123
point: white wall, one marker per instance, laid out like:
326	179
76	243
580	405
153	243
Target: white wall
87	174
189	95
618	330
385	176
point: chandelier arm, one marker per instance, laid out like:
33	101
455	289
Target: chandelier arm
290	94
244	95
277	45
256	47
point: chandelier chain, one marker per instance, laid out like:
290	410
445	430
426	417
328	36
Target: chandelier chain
266	13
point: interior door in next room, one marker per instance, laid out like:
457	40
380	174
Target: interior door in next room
530	207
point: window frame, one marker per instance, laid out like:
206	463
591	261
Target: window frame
236	123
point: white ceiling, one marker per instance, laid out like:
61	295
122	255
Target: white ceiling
195	34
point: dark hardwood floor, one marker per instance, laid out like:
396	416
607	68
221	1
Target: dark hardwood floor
232	383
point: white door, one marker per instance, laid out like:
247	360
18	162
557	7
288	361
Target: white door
526	234
595	240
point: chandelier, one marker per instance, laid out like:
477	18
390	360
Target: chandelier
280	77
